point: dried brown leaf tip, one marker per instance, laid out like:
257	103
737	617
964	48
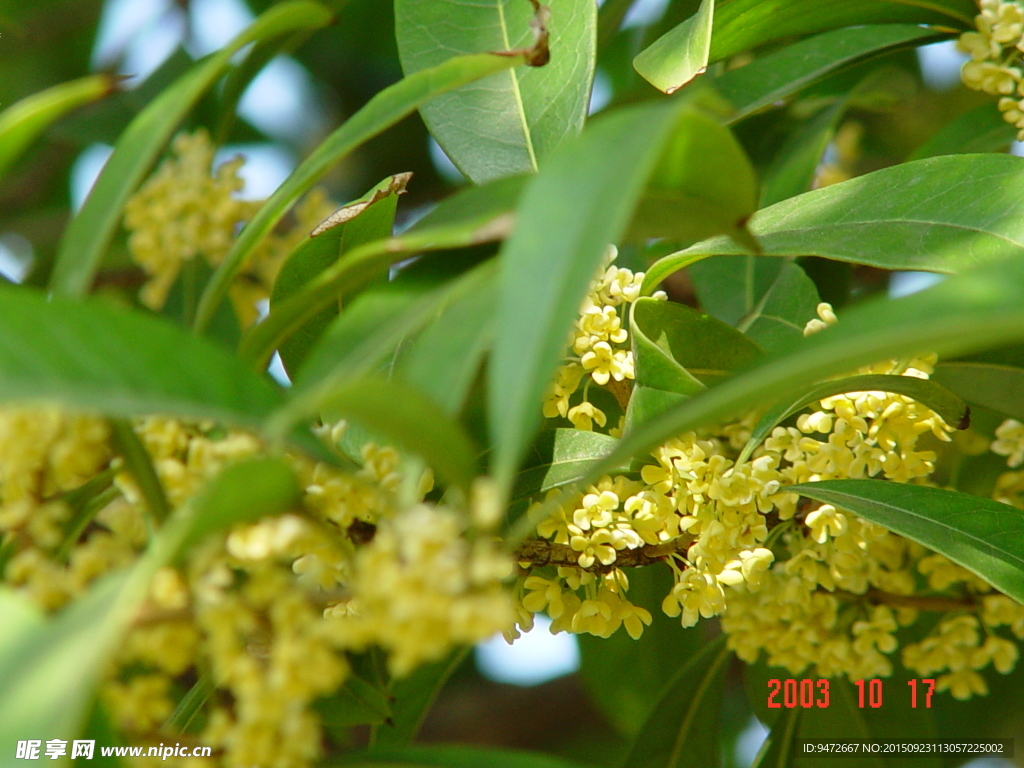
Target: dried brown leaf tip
395	186
538	54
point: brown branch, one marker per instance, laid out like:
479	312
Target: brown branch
537	553
937	603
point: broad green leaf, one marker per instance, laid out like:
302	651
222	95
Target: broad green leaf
795	165
559	457
781	73
999	387
23	122
380	113
779	317
647	402
626	699
942	214
357	702
367	219
449	757
399	413
581	201
89	234
977	310
841	716
981	129
507	123
95	356
678	349
983	536
730	287
50	669
951	408
412	696
778	750
745	24
476	216
682	729
681	54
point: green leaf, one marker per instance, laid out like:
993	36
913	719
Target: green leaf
95	356
369	218
779	317
981	129
507	123
581	201
412	698
402	415
678	349
981	309
647	402
951	408
476	216
357	702
841	716
983	536
999	387
679	55
380	113
781	73
139	463
23	122
559	457
778	750
730	287
449	757
89	234
745	24
943	214
795	165
682	729
51	668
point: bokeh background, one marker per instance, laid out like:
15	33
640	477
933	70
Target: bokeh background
529	694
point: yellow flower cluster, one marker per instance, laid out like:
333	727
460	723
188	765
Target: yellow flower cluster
185	211
995	50
598	343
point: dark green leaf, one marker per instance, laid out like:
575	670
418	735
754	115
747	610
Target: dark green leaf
943	214
412	698
981	129
779	317
560	457
682	729
795	166
778	750
983	536
678	349
380	113
978	310
841	716
730	287
681	54
507	123
951	408
999	387
357	702
89	234
450	757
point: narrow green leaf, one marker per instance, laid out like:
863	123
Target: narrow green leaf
507	123
477	216
679	55
449	757
841	716
682	729
23	122
88	235
400	413
943	214
380	113
745	24
50	668
138	462
779	74
981	129
369	218
981	309
581	201
412	698
678	349
794	167
559	457
999	387
778	750
189	706
983	536
951	408
781	312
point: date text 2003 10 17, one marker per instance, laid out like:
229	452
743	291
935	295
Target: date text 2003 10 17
809	693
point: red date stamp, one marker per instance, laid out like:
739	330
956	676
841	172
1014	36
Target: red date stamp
808	693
